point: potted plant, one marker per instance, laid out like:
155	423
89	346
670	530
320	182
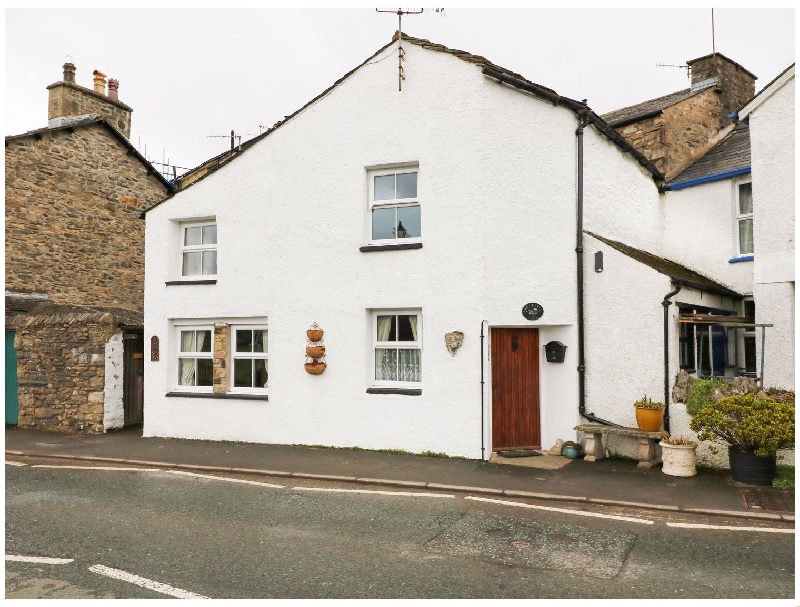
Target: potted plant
649	414
754	426
678	456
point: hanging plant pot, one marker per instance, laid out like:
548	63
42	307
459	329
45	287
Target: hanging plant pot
751	469
315	351
314	334
649	420
678	460
315	368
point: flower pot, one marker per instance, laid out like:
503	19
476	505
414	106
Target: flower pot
649	420
315	351
678	460
314	334
315	368
751	469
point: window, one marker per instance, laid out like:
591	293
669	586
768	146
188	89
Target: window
394	206
744	217
749	335
199	249
250	358
195	363
397	345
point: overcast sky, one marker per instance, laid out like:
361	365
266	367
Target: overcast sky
191	73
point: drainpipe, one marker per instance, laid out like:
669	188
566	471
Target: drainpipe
483	391
666	303
579	251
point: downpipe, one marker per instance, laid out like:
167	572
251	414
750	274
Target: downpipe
579	252
483	392
667	303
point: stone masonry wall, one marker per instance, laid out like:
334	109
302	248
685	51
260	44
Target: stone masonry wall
650	137
67	99
73	202
61	375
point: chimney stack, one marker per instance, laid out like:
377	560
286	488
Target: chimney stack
99	82
69	72
113	89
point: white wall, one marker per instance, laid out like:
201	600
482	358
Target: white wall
113	407
772	132
497	192
700	232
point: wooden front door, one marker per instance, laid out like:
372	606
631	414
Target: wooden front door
133	377
515	389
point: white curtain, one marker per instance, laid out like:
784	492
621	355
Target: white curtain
201	340
745	236
187	364
409	364
413	320
385	359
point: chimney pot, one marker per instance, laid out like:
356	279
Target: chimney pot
99	82
113	89
69	72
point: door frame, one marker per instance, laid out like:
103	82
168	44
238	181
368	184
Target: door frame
490	373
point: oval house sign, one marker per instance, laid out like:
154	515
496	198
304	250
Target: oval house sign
532	311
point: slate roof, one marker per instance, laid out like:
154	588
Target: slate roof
22	303
646	109
48	313
730	154
96	119
677	272
488	68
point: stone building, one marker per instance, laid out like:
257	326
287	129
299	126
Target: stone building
675	130
75	192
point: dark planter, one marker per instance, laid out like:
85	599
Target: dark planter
751	469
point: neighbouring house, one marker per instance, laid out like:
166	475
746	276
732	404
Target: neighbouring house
406	217
74	260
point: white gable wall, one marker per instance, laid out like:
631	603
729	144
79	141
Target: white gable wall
772	132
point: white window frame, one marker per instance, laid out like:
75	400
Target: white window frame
179	353
232	389
739	217
393	203
401	345
184	248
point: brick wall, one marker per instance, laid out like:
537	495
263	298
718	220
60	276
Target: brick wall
61	375
67	99
73	231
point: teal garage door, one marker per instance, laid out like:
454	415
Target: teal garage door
11	380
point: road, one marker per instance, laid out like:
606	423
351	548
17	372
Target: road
160	533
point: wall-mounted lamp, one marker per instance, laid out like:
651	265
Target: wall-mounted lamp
598	261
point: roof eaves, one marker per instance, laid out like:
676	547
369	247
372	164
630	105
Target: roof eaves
767	92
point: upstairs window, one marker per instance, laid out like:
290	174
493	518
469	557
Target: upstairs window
199	249
744	217
394	206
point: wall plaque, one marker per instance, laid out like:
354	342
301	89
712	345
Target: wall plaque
154	348
532	311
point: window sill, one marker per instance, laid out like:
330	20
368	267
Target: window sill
205	281
402	391
227	395
390	247
741	258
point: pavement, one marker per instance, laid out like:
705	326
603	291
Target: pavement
609	482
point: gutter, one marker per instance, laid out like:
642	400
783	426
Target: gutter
667	303
680	185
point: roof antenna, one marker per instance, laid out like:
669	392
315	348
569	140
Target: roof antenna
400	52
233	137
713	43
685	66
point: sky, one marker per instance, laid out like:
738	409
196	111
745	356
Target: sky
192	75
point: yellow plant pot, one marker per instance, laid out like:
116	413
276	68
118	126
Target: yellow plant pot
649	420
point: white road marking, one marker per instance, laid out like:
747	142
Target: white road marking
44	560
118	574
97	468
405	493
562	510
229	480
729	528
8	463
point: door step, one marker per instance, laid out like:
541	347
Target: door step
519	453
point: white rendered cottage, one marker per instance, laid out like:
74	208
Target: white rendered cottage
392	218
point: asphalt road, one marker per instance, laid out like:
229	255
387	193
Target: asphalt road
165	534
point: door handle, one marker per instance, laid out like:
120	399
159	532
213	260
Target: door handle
494	384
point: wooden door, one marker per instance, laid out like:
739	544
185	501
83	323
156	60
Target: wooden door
515	389
12	395
133	377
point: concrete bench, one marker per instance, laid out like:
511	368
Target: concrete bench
647	442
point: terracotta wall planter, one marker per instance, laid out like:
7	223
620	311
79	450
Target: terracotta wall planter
315	351
315	368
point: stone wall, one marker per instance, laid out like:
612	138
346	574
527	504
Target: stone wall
73	227
68	99
61	375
